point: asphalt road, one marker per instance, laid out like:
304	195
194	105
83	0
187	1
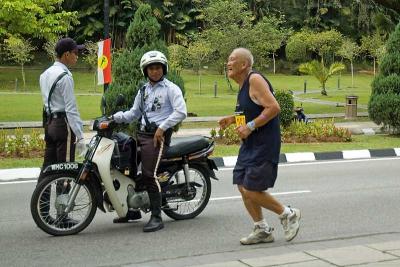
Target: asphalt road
338	199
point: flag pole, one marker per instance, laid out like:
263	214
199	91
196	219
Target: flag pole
106	28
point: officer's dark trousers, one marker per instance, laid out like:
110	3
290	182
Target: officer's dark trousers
149	156
60	143
60	147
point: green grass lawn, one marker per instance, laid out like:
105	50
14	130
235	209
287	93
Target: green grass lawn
25	106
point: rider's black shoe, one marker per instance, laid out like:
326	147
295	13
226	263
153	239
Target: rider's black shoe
130	216
155	223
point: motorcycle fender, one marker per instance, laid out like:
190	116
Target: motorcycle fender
211	167
94	181
62	167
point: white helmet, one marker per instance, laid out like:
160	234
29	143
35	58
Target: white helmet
153	57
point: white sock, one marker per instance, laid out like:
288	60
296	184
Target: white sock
286	211
262	224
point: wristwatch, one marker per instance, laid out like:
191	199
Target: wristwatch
251	125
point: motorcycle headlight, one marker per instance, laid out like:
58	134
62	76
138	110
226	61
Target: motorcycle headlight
91	147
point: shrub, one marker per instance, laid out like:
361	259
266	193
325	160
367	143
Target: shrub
285	100
318	131
384	102
296	132
213	133
227	136
230	135
19	145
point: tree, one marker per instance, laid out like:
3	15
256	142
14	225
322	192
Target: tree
269	35
349	50
178	19
393	4
49	47
298	46
19	50
36	18
319	71
384	103
227	26
326	43
372	46
177	57
199	52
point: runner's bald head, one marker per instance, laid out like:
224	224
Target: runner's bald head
244	54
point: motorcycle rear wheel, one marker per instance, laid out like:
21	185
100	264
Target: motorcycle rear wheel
49	199
182	210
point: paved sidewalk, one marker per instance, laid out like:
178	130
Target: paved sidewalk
376	250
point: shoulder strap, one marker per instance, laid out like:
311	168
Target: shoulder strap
52	89
268	82
142	105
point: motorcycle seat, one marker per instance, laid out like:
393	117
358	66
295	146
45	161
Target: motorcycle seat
180	146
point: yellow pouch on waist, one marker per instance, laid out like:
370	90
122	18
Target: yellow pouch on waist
240	119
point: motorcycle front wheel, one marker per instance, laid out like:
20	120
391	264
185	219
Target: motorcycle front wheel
50	199
191	203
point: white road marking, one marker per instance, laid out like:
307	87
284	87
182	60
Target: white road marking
282	165
274	194
321	162
18	182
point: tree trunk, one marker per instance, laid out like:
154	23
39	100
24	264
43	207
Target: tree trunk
352	73
273	58
323	92
23	76
94	81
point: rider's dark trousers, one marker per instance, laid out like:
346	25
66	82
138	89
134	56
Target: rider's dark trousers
60	142
150	157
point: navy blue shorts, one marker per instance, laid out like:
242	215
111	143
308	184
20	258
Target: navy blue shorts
256	178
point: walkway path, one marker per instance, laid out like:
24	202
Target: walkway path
321	102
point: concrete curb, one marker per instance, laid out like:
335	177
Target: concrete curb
33	173
314	156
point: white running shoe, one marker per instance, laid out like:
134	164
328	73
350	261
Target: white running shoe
290	224
259	235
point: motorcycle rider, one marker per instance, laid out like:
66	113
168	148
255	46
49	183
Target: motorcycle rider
160	106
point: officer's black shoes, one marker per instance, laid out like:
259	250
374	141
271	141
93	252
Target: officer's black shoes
130	216
155	223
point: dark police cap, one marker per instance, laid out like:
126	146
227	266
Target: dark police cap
67	44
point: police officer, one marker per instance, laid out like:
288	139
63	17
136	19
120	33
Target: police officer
63	126
161	106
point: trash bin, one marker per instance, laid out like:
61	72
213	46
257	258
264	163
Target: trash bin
351	107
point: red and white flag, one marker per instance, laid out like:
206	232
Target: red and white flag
104	62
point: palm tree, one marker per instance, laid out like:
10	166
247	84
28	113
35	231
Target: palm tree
319	71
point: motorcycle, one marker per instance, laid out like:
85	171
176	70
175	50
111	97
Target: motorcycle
66	200
300	116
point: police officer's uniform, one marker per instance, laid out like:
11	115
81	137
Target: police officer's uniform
63	125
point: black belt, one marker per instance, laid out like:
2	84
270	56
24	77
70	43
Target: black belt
57	115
